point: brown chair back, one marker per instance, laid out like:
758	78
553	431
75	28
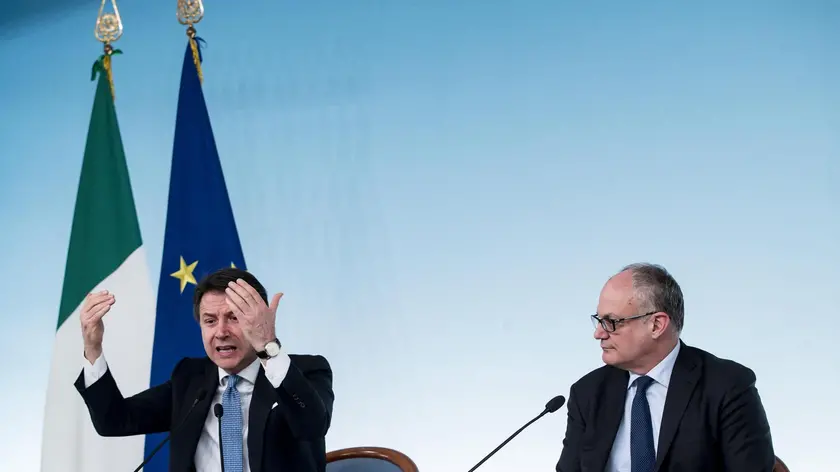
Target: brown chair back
393	456
780	466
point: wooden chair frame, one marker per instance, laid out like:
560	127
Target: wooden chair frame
407	465
382	453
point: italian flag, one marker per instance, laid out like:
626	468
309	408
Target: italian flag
105	253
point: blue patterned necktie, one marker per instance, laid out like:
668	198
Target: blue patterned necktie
232	427
642	452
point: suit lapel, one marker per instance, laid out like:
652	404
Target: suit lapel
611	411
261	402
187	439
683	381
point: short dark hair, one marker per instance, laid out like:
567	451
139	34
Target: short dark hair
218	281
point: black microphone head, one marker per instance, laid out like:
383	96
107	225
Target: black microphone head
555	403
217	410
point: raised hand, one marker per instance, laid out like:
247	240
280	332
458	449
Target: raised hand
96	305
255	317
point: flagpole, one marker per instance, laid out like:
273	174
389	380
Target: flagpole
104	252
108	29
190	12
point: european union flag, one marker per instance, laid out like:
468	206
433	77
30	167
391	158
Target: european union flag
200	235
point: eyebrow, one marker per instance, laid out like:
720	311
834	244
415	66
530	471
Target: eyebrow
213	315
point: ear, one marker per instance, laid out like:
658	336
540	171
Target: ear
659	324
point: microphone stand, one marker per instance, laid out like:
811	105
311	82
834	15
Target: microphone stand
553	405
219	411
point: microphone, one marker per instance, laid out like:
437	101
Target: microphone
201	394
219	411
553	405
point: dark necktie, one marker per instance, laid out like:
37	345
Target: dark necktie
642	452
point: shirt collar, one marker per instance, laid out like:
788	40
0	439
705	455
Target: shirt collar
248	373
661	373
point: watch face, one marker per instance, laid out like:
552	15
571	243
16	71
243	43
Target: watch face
272	349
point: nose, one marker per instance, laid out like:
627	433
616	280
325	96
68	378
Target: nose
222	330
600	333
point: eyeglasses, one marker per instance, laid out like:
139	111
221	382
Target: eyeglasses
610	324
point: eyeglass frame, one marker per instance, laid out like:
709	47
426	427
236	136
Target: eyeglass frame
615	322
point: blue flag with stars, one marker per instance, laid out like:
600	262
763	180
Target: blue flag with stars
200	236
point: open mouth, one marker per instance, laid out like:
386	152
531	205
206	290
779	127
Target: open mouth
225	349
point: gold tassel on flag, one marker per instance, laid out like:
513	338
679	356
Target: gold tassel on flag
191	12
109	28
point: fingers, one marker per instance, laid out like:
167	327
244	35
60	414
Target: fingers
96	298
275	301
96	305
246	292
103	305
98	314
243	298
251	291
235	303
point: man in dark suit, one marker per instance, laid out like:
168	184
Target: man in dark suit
658	404
276	407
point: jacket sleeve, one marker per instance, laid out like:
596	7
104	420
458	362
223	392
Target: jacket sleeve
306	396
113	415
575	426
745	432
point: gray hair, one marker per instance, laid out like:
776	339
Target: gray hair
656	290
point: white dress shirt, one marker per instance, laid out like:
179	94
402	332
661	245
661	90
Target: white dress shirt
207	458
619	460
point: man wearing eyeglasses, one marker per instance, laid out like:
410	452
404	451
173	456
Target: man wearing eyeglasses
659	404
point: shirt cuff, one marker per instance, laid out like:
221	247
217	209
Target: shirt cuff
276	368
95	371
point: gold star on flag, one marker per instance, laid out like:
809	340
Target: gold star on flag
185	274
232	266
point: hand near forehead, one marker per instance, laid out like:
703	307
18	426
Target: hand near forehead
255	317
95	306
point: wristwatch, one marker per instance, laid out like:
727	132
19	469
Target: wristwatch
271	349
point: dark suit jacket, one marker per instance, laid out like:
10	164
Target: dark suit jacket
713	418
289	437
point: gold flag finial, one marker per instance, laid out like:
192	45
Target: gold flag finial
190	12
109	25
109	28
